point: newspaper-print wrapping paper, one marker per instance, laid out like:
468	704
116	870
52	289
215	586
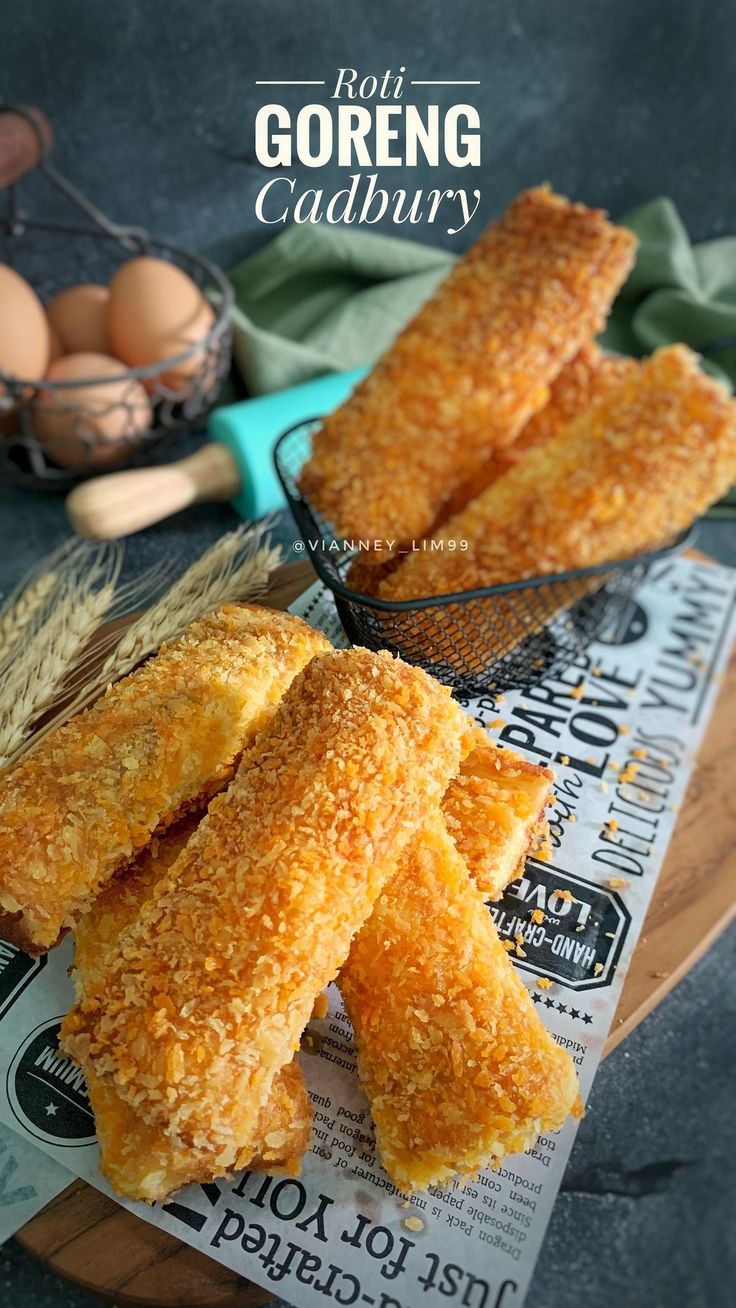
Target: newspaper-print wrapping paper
621	729
28	1181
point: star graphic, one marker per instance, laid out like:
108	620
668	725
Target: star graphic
51	1110
574	1012
587	1019
550	1003
562	1008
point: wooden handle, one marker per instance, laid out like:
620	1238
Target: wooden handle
123	502
25	137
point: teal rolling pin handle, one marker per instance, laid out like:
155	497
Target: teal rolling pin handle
251	428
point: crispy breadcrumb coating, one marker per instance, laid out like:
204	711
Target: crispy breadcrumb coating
470	370
159	742
584	381
140	1160
626	476
457	1066
209	991
493	810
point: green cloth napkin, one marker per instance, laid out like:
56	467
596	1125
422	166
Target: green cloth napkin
318	299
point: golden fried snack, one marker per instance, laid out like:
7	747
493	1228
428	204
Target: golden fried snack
138	1159
584	381
208	992
493	810
159	742
141	1162
626	476
457	1066
469	370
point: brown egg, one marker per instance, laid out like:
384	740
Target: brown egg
78	315
91	425
56	349
24	331
155	313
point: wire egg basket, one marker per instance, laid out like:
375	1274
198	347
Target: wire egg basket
482	641
180	389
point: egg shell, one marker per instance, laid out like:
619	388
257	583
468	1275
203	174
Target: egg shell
78	315
24	330
156	312
91	425
56	348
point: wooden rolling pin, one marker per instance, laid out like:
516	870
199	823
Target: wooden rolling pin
26	135
236	464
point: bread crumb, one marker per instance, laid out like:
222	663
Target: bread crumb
321	1007
597	969
616	883
413	1223
544	983
537	916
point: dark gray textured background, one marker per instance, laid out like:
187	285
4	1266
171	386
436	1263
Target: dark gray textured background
613	103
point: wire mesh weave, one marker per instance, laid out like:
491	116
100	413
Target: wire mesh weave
481	641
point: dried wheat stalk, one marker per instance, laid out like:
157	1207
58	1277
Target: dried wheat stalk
38	663
237	567
29	604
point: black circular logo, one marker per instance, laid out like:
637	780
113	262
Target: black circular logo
629	626
47	1092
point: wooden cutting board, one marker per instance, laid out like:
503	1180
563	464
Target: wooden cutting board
91	1240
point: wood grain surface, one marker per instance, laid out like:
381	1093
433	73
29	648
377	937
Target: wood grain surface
88	1238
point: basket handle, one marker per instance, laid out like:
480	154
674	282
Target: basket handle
26	135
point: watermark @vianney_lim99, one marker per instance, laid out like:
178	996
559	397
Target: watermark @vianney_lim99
348	545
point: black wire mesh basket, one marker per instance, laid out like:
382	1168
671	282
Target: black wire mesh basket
156	402
482	641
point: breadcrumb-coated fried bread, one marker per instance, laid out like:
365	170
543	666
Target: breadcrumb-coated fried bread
469	370
209	991
458	1068
493	810
140	1160
628	475
583	382
91	794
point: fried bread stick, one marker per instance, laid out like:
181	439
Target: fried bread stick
494	810
626	476
138	1159
458	1069
160	741
584	381
469	370
209	991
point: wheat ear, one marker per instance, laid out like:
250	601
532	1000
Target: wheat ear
236	567
84	590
